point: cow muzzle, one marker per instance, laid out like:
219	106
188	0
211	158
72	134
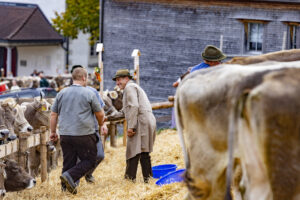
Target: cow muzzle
32	183
2	192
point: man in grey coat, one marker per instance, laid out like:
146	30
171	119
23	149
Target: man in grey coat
141	126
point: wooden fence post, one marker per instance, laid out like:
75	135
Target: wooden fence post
124	132
43	151
136	54
22	155
112	133
100	49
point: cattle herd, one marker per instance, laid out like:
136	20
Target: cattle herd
239	126
19	116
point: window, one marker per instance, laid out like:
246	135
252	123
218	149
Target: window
293	36
253	36
93	50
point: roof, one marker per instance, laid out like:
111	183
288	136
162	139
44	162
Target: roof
25	23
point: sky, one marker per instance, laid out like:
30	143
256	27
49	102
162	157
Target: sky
47	6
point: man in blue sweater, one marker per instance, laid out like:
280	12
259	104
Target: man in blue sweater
212	56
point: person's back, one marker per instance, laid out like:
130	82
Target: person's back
76	101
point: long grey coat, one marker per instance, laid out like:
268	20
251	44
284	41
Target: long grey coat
139	116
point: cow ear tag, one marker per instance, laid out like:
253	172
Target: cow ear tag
44	108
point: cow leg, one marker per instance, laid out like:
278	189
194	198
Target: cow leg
34	162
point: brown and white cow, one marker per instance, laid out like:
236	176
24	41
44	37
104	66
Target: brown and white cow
20	122
4	131
280	56
16	177
113	104
203	106
267	124
37	112
3	176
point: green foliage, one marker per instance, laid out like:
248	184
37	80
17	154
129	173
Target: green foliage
80	15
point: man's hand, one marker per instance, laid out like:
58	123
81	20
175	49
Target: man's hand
104	129
130	132
53	137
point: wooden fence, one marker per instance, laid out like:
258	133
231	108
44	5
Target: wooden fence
23	143
112	125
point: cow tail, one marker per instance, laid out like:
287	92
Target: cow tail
179	130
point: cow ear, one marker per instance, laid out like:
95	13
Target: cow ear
5	160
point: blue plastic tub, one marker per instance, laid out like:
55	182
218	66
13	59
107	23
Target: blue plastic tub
171	177
161	170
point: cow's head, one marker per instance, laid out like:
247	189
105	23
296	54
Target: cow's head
20	122
37	112
17	178
7	121
3	128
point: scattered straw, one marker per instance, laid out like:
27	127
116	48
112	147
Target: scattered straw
109	175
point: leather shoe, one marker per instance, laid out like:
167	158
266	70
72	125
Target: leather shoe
89	178
67	180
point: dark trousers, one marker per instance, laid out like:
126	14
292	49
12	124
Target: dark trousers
100	153
82	147
132	164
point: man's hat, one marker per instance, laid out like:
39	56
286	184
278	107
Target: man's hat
122	73
212	53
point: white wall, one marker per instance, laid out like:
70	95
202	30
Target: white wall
79	51
79	48
49	59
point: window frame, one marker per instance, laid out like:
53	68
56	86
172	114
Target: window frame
246	36
293	36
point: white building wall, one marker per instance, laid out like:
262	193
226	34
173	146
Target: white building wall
79	51
79	48
49	59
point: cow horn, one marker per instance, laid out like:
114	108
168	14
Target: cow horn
41	95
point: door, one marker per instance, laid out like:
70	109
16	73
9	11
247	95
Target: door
3	54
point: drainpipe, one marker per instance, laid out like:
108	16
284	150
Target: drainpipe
101	16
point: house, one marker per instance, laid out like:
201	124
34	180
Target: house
171	34
28	41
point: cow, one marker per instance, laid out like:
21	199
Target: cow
203	105
17	178
4	132
266	123
280	56
20	122
113	104
34	159
8	122
3	176
36	111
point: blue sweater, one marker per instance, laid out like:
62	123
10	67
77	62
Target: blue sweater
200	66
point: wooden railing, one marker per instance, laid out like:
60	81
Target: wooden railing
23	143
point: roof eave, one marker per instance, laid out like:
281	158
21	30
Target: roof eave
30	42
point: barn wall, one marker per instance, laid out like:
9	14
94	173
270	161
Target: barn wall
171	39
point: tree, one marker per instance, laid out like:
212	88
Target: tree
80	15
